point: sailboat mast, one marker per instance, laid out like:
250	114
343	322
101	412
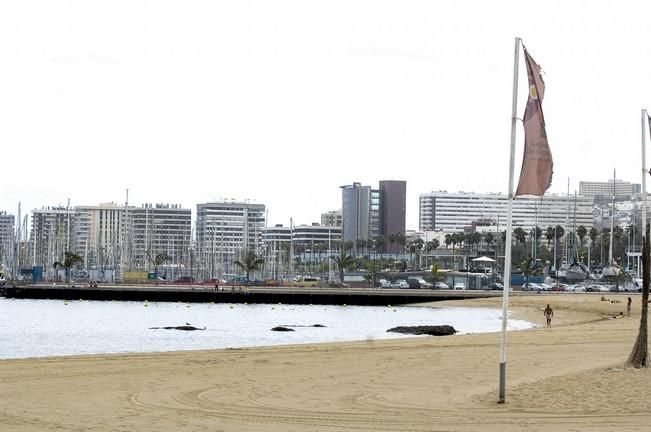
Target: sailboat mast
612	224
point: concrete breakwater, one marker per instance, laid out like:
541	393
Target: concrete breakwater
286	295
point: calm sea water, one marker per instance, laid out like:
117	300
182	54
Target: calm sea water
39	328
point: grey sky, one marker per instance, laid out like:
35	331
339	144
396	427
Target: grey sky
281	102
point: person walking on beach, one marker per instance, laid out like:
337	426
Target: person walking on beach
628	307
549	313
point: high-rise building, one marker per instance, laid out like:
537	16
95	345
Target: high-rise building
229	228
100	235
393	198
370	213
159	229
453	212
604	190
129	238
52	235
356	212
7	227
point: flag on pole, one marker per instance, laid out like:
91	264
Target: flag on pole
537	164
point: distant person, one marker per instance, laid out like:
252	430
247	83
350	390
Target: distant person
216	285
549	313
628	307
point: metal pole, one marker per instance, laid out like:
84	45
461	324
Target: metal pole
644	172
509	222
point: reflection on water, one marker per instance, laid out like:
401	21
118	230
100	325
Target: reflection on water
38	328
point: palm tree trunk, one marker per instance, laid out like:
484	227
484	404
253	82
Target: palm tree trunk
640	355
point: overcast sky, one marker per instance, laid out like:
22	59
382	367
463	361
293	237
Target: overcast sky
282	102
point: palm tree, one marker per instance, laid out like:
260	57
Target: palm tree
69	260
581	231
520	235
343	261
437	275
489	239
640	354
160	259
251	263
549	235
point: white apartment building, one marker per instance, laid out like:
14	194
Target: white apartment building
452	212
623	189
100	234
51	235
7	227
228	228
111	235
159	229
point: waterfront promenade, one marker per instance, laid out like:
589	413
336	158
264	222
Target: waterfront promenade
241	294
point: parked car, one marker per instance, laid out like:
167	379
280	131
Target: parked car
418	282
545	287
559	287
597	288
531	286
459	286
400	283
496	286
441	285
575	288
383	283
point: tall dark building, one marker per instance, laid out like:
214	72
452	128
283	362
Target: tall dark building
393	203
368	213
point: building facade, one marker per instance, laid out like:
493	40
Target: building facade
229	228
7	229
159	229
453	212
623	190
393	198
51	235
331	218
371	213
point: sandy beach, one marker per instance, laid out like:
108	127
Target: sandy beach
566	378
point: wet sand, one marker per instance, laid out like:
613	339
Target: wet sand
569	377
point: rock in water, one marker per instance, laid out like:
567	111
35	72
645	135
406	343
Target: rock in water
435	330
280	328
184	327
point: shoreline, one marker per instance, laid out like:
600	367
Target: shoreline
568	377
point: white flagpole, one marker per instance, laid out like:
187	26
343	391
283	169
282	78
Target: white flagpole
509	222
644	173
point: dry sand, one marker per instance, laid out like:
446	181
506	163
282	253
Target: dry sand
567	378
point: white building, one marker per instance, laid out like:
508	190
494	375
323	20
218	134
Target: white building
229	228
452	212
331	218
159	229
7	226
623	190
51	235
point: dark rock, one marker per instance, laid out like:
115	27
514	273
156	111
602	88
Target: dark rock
280	328
183	327
436	330
318	325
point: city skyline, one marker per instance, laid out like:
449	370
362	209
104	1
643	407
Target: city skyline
252	101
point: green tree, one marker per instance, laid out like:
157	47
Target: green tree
520	235
437	275
160	259
69	260
251	263
581	231
343	261
549	235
